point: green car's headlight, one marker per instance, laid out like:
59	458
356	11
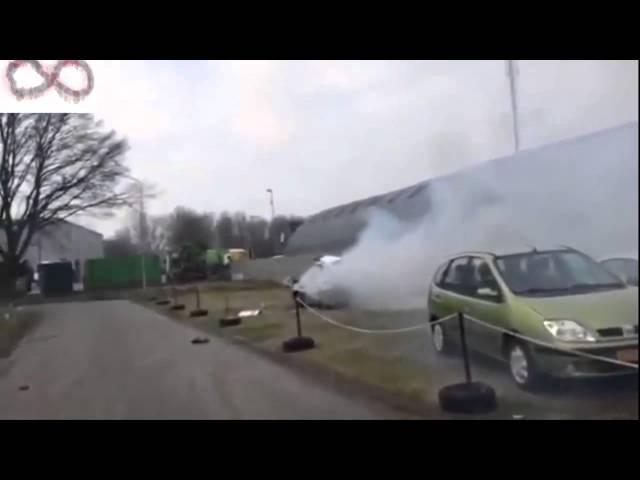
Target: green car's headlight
568	331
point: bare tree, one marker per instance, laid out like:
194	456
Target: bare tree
186	226
53	166
151	231
224	230
121	244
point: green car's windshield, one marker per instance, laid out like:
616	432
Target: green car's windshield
625	268
557	272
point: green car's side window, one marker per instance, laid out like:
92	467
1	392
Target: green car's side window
437	278
485	285
457	278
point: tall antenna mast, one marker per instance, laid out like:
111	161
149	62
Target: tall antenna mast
512	72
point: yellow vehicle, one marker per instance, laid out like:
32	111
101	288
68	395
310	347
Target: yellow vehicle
237	254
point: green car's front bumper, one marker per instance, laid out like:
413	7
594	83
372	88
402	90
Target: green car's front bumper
560	364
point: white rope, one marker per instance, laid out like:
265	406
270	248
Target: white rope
551	346
485	324
363	330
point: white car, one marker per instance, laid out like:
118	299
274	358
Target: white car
623	266
316	287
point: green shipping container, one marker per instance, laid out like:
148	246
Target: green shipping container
55	278
121	272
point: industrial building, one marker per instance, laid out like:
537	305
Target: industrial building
613	151
64	240
566	170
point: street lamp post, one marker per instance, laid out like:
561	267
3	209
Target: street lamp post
142	228
273	208
273	216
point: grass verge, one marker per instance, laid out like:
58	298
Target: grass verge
399	369
14	327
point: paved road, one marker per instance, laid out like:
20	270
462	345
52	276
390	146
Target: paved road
117	360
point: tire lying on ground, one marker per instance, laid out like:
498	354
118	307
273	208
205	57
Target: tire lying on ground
229	321
298	344
473	397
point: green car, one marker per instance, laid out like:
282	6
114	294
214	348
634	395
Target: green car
559	297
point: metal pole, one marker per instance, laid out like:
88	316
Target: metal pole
273	208
197	298
463	342
298	326
512	71
142	236
142	228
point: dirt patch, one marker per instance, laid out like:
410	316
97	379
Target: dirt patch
14	326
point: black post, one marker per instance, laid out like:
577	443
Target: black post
299	343
298	325
176	306
198	312
465	353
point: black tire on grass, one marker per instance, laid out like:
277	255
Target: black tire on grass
229	322
474	397
298	344
163	302
177	306
198	313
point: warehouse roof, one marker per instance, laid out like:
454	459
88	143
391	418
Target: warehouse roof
335	229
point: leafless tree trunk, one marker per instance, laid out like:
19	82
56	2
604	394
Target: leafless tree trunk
53	166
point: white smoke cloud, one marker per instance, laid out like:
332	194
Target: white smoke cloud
583	194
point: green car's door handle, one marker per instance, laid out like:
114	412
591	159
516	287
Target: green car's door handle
437	298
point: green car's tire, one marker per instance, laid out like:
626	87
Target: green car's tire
472	398
523	367
440	339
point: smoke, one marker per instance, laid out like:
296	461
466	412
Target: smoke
582	193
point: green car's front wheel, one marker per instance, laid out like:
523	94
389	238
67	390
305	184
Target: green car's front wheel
523	366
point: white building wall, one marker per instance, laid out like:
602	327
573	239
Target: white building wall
63	241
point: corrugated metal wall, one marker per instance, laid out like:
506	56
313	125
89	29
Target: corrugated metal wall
336	229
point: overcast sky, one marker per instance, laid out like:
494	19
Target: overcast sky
215	135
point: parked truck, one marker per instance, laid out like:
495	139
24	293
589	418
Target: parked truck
196	263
